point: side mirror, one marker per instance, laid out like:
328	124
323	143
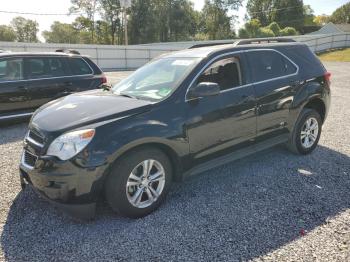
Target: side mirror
204	89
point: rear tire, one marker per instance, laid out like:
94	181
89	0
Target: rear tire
306	133
139	182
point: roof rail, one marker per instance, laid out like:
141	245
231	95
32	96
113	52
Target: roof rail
68	51
209	44
264	41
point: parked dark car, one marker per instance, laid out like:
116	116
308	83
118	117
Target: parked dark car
29	80
180	114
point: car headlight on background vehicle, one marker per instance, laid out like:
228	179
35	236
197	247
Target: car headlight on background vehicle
69	144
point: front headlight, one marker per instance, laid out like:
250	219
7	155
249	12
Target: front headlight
69	144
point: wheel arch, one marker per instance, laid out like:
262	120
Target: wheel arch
168	150
318	105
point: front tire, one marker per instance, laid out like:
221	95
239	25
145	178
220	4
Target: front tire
139	182
306	133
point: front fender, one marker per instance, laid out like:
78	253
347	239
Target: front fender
114	139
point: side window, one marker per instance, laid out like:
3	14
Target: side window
290	68
57	67
266	65
11	69
38	68
226	73
79	66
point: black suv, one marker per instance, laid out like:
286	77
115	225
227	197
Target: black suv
180	114
29	80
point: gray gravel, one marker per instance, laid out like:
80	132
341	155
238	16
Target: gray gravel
270	206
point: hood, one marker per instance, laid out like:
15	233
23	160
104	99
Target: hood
85	108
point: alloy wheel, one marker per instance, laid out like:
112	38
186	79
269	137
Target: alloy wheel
145	183
309	132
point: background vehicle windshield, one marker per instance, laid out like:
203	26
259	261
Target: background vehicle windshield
156	80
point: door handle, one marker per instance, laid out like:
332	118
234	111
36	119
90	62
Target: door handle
68	83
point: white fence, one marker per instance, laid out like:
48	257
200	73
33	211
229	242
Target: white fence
110	57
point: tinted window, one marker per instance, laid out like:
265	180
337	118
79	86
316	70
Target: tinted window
57	67
46	67
225	72
79	66
11	69
37	68
269	64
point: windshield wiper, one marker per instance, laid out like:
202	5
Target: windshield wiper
127	95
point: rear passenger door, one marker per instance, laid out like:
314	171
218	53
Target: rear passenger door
274	77
46	79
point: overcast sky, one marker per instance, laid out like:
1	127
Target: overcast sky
62	6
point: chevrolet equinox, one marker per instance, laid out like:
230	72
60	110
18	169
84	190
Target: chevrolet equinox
180	114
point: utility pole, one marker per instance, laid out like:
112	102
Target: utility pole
125	4
126	26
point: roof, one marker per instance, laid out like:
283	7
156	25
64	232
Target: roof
7	53
202	52
331	28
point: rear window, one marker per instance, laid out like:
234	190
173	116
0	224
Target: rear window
267	65
79	66
11	69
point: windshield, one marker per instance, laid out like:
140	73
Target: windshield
156	80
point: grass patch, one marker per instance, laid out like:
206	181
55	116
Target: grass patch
342	55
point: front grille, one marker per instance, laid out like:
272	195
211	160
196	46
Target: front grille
29	159
35	138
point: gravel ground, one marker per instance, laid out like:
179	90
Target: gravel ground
272	206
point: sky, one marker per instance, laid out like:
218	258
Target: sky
62	6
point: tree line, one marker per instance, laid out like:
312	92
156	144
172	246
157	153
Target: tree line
101	21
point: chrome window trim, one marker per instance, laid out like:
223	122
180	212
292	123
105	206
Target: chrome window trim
47	78
16	115
250	84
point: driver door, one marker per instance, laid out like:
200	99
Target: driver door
225	122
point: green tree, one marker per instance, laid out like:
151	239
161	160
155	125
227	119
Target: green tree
26	29
217	22
261	10
265	32
253	28
341	15
321	19
288	13
275	28
89	8
242	33
143	22
7	33
83	26
102	32
61	33
309	16
284	12
288	31
110	11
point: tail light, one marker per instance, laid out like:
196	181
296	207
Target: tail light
327	77
104	79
